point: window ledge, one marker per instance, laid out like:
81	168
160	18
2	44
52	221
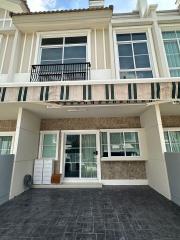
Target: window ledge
124	159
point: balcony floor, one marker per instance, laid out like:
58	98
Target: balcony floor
110	213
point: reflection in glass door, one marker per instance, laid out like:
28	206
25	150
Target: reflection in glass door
80	156
72	155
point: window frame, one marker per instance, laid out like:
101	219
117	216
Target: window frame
63	34
9	134
169	29
176	129
42	133
141	157
150	47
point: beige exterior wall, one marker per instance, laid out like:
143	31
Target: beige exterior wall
123	170
7	125
170	121
2	13
6	49
5	52
100	49
27	52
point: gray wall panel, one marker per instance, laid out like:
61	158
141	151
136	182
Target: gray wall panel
6	166
173	168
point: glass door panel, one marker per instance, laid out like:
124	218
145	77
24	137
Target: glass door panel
72	156
89	156
80	156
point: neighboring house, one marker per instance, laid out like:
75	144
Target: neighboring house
96	91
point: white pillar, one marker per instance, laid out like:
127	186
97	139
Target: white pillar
25	150
156	166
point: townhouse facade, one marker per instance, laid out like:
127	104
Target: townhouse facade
95	91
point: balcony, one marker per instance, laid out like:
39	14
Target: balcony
60	72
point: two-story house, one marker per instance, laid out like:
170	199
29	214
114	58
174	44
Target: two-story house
96	91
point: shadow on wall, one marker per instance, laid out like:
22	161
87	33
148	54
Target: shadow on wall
6	166
173	169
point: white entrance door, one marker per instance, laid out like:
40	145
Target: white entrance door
81	154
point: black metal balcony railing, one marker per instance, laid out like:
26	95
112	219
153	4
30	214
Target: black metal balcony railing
60	72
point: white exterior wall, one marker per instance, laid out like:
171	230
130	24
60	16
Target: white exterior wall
26	149
156	166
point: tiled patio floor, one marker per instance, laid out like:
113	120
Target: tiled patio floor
110	213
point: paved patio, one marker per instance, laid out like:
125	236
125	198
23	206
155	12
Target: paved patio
110	213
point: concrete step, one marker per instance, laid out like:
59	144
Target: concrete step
71	185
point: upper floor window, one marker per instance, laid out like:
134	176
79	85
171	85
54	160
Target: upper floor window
172	48
5	145
63	50
172	141
134	61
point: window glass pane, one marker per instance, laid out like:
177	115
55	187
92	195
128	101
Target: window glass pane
104	137
5	144
178	34
175	147
174	136
125	50
131	137
117	150
75	40
175	73
173	60
127	75
126	63
123	37
169	35
139	36
132	149
75	52
49	146
104	151
166	137
142	61
73	141
75	60
49	54
171	47
49	152
168	148
140	48
144	74
52	41
116	138
50	139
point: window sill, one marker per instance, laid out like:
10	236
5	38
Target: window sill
123	159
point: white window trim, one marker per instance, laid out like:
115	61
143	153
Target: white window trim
172	129
169	28
150	45
7	134
42	133
142	156
54	34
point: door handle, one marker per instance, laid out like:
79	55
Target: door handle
95	153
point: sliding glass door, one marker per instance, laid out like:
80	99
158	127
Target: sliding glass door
81	156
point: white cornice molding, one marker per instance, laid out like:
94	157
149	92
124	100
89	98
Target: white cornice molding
16	6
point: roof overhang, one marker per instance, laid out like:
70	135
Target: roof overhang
15	6
63	20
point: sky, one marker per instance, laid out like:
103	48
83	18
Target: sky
119	5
